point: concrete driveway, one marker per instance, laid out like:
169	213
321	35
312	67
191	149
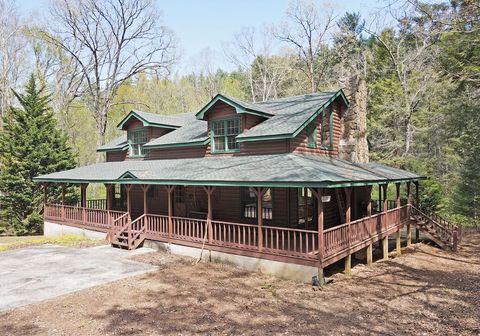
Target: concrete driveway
37	273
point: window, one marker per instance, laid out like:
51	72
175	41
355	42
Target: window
306	208
249	202
326	130
224	133
179	194
136	139
312	136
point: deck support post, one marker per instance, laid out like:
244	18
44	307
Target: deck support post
318	193
170	190
63	201
209	191
259	192
145	188
348	219
417	204
305	207
398	244
409	203
83	200
379	198
385	247
370	254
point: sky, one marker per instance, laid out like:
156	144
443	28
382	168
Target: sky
201	24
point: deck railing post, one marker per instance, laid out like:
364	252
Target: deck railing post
108	206
409	211
417	204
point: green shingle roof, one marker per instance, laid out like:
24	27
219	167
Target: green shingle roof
292	114
288	170
120	143
194	132
157	120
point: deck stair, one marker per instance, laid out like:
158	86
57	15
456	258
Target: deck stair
443	233
129	234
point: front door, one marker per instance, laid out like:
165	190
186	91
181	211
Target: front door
180	209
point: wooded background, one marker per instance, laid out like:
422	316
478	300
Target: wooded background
412	69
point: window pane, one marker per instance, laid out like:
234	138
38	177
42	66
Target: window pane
232	143
219	143
218	128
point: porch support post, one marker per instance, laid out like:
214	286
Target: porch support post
320	221
398	242
305	207
145	188
259	192
369	246
379	198
170	190
417	204
209	191
348	259
83	200
385	197
128	187
63	201
409	202
108	205
45	199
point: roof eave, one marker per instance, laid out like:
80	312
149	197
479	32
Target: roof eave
180	144
238	108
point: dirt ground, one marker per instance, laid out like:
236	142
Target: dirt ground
426	291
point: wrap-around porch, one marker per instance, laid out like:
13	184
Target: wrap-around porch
313	238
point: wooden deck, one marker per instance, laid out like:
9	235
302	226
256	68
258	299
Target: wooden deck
272	243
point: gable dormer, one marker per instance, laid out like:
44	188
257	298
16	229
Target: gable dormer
227	118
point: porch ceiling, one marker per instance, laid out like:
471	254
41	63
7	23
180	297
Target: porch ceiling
280	170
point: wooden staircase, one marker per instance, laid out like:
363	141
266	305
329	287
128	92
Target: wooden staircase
443	233
128	234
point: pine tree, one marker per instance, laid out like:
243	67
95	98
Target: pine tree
30	145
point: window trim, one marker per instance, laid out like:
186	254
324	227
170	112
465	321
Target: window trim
225	136
312	129
130	134
330	129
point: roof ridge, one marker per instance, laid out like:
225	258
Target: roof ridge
297	96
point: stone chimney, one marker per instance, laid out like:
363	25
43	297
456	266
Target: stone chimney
353	142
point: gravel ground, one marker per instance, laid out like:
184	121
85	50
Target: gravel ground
426	291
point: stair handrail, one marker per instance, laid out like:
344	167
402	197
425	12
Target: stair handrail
124	227
140	221
452	231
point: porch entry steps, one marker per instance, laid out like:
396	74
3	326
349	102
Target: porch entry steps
443	233
128	234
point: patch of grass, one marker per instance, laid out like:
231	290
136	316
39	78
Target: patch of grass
7	243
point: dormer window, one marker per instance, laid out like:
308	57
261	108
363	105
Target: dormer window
223	135
136	139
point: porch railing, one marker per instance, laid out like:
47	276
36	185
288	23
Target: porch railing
227	236
89	218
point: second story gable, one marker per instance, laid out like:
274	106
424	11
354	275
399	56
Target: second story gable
309	124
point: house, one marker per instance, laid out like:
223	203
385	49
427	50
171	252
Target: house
253	183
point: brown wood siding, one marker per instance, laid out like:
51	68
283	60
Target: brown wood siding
177	153
300	143
264	147
116	156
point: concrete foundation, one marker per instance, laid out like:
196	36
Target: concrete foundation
57	230
276	268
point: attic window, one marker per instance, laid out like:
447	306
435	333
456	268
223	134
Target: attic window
312	136
136	139
224	133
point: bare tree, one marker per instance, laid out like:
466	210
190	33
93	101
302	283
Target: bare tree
12	44
308	33
252	52
111	41
410	48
